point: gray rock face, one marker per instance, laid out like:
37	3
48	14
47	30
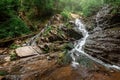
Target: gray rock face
104	44
102	17
106	18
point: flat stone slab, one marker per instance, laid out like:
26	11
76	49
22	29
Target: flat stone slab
27	51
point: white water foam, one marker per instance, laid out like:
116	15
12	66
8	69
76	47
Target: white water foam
78	50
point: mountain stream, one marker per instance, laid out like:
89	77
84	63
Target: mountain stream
78	49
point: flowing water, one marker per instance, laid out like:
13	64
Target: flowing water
78	49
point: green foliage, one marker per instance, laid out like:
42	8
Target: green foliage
14	46
10	24
37	8
87	7
114	3
60	32
60	58
66	15
68	25
84	61
64	58
69	5
44	4
13	27
13	56
6	5
8	8
90	6
47	30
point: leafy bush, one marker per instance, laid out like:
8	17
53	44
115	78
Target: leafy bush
13	56
47	30
14	46
69	5
13	27
64	58
65	14
10	24
39	8
90	6
87	7
114	3
9	5
111	1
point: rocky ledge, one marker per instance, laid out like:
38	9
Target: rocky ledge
103	42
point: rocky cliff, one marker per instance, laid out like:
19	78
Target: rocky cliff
104	41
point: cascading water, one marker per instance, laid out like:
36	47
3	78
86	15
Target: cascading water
80	43
78	49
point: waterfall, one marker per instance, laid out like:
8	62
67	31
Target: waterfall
78	49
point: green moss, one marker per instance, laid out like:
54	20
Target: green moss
64	58
69	26
13	56
60	32
47	30
84	61
66	15
3	73
67	46
13	27
14	46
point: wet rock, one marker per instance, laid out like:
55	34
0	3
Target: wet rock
107	17
104	45
103	42
73	34
27	51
